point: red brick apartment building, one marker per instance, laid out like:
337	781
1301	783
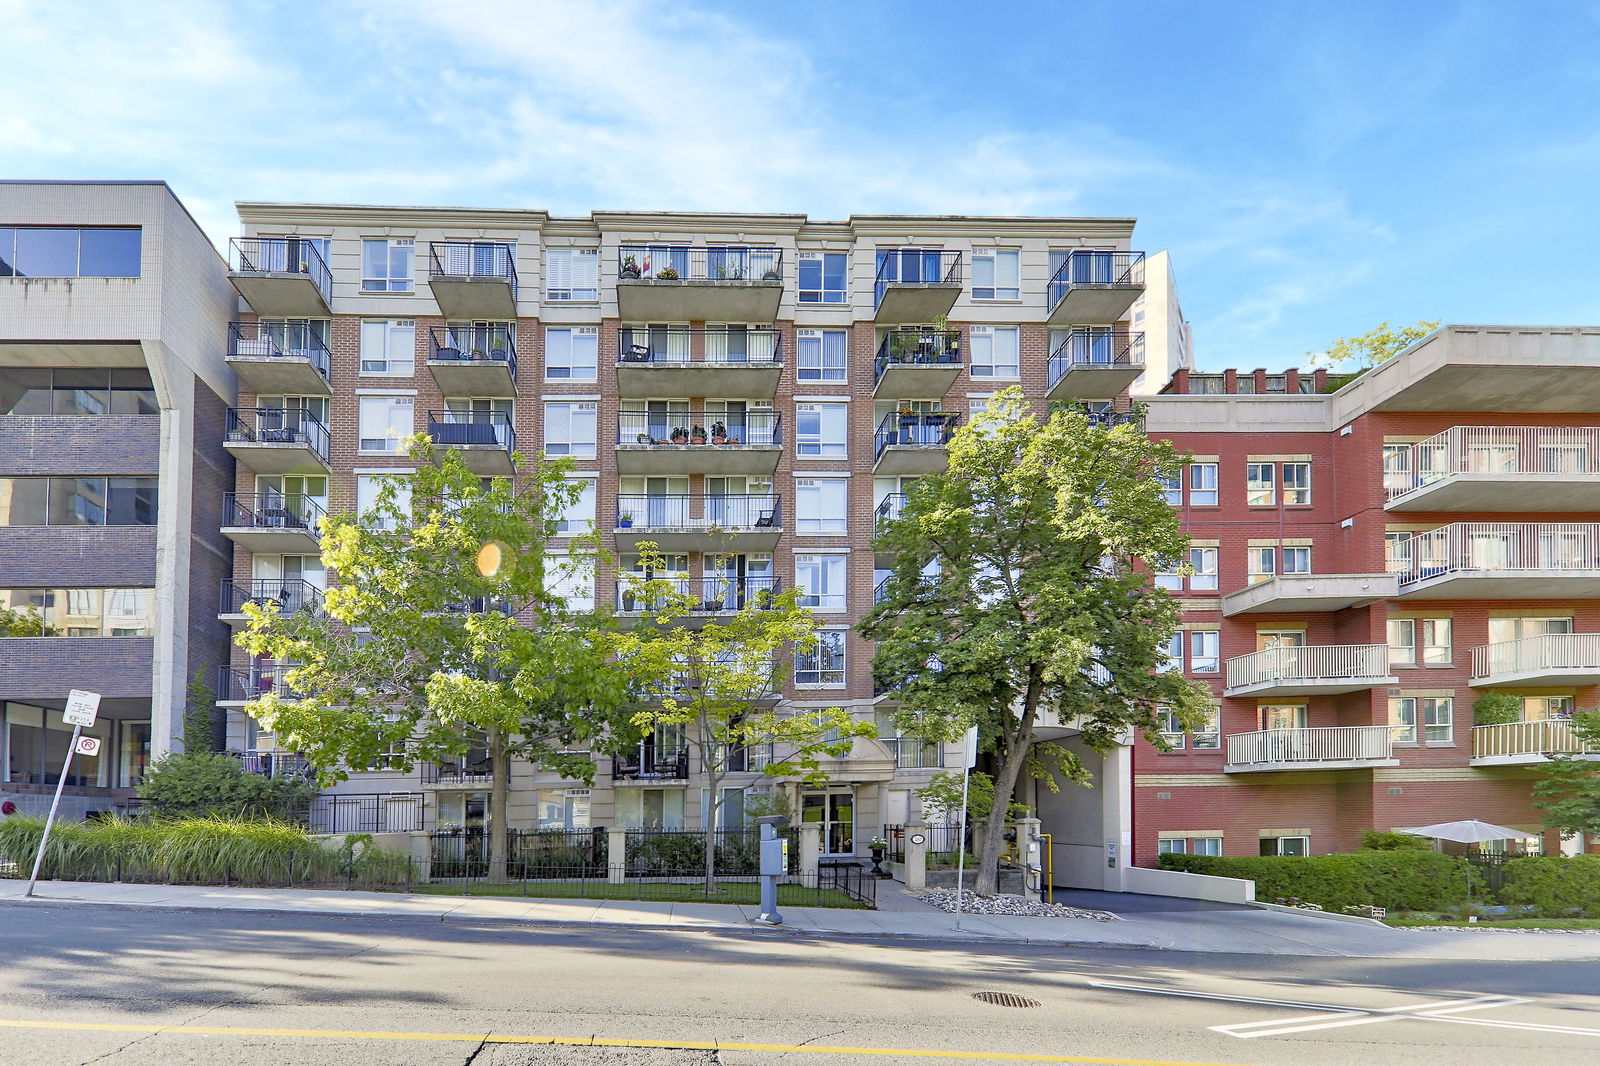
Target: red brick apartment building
1366	563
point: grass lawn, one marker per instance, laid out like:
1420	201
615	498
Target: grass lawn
1502	923
654	892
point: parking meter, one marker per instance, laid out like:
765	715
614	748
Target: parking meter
774	864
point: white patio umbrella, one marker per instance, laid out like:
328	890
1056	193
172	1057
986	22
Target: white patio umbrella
1470	831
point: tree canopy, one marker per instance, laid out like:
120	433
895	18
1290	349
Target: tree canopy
1568	789
1373	347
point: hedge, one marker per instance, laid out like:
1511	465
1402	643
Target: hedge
1398	880
1555	887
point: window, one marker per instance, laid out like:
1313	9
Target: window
1173	657
649	808
569	429
821	429
77	391
822	355
1261	484
1205	650
1413	640
1204	563
579	518
823	663
386	421
1297	560
822	277
388	346
820	504
69	252
1189	845
1402	642
571	353
1202	484
1286	846
1540	708
1296	484
367	488
1396	468
996	352
1172	489
1438	716
821	579
78	501
1403	719
386	264
1171	728
1435	633
1437	713
572	274
1397	550
994	274
570	581
77	612
1209	736
1171	580
1262	563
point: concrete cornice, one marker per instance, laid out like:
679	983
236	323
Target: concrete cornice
462	218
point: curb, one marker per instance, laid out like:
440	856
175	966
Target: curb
1332	915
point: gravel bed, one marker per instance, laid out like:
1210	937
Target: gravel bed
1012	906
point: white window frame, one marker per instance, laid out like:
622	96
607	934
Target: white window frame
1204	561
367	488
1296	488
579	519
831	440
397	337
987	274
810	494
573	585
1437	723
571	353
565	284
1261	484
830	593
389	280
823	678
824	295
1293	554
981	364
812	363
1202	484
390	441
1201	660
567	415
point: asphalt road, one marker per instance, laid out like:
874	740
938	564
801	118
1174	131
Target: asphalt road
119	987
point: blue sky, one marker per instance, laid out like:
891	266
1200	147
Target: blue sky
1315	168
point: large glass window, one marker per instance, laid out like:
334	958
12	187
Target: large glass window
822	354
1261	484
996	352
822	277
579	518
994	274
822	663
573	274
77	612
69	252
77	391
571	353
820	504
821	580
78	501
569	429
386	264
388	346
821	429
1202	484
385	421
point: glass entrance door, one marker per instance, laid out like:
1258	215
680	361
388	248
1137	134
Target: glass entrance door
835	810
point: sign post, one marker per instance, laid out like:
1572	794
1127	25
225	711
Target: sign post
969	759
80	711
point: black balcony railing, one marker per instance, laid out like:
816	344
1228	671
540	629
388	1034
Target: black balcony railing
1091	348
741	759
288	594
727	513
486	345
283	340
648	764
469	770
273	763
749	428
464	428
1095	268
473	259
673	346
271	510
930	429
718	263
278	425
1102	415
880	591
709	595
912	347
915	266
239	683
280	255
890	508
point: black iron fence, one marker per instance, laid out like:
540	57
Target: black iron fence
538	854
473	259
278	340
649	764
280	255
749	428
1095	267
277	425
927	429
915	266
287	594
473	770
271	510
727	513
492	428
236	684
674	345
917	347
273	763
944	842
710	595
721	263
486	344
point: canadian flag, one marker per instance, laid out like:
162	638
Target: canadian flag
645	268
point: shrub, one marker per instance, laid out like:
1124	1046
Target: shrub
1496	708
203	784
1398	880
1378	840
1554	886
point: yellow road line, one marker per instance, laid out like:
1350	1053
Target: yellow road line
598	1041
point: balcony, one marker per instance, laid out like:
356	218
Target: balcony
722	283
473	279
650	765
915	284
1303	593
651	442
1095	286
1555	659
288	594
1348	747
470	771
238	684
287	359
1315	670
889	509
480	361
673	361
913	753
1095	364
1502	560
744	759
277	523
913	444
700	523
1526	743
485	439
276	440
273	763
712	596
916	364
1499	468
280	277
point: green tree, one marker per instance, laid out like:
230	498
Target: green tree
1013	600
201	784
444	629
200	714
1568	789
27	622
716	686
1372	347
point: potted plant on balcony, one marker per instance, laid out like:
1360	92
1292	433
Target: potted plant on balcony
771	274
680	435
719	433
697	435
630	267
667	274
625	520
497	350
644	438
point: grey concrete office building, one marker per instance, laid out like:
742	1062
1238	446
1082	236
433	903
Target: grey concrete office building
114	309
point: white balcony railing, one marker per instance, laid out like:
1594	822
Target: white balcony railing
1548	651
1491	450
1545	737
1326	662
1498	546
1328	744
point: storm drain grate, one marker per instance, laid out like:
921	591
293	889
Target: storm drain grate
1005	999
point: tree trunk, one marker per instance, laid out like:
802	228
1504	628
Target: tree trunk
499	801
1005	786
711	761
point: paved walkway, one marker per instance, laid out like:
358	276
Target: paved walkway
1175	924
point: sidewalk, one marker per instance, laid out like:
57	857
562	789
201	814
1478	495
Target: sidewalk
1157	923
